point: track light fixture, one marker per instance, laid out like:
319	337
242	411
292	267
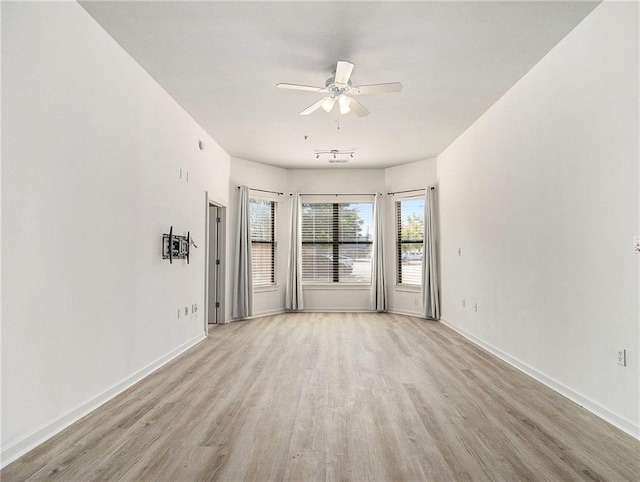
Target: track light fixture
334	154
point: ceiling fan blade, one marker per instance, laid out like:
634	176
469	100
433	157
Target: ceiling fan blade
357	108
343	72
301	87
377	88
314	107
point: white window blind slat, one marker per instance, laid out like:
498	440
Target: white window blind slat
336	242
263	252
409	241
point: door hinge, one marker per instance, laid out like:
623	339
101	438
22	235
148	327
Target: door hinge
217	261
217	219
217	304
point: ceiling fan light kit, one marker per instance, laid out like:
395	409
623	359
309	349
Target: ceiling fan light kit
340	89
328	104
343	102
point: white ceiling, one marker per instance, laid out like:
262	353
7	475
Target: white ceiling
221	62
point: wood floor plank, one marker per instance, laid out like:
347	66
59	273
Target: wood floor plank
335	396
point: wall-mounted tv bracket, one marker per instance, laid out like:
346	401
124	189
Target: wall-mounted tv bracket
176	247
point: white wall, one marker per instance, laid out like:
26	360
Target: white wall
91	153
415	175
269	178
357	181
336	181
541	194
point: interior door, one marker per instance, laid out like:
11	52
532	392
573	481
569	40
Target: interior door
214	265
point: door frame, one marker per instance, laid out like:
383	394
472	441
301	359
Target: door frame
221	275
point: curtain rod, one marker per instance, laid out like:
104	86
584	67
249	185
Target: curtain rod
263	190
334	194
412	190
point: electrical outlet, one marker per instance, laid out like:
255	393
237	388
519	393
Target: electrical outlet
186	310
622	356
475	307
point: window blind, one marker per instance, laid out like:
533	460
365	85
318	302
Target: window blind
336	242
263	245
410	241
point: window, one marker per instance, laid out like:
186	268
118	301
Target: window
410	240
263	243
336	242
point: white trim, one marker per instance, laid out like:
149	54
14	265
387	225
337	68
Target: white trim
407	288
271	286
263	288
216	200
409	195
309	310
605	414
337	310
336	286
265	196
415	314
310	198
207	206
277	311
221	246
15	449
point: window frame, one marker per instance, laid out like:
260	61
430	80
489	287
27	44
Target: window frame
335	243
400	242
273	243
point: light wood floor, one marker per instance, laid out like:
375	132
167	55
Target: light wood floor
335	397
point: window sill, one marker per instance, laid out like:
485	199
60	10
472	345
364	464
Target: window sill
263	289
408	288
336	286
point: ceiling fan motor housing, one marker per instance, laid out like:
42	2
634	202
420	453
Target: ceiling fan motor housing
334	89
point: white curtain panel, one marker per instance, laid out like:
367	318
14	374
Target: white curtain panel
242	296
430	287
293	295
378	283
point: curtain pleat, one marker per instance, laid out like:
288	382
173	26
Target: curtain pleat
293	295
378	282
430	284
242	296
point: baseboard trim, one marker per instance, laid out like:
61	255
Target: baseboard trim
335	310
18	448
277	311
312	310
257	315
406	313
605	414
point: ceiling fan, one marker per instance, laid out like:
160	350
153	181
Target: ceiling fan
341	92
